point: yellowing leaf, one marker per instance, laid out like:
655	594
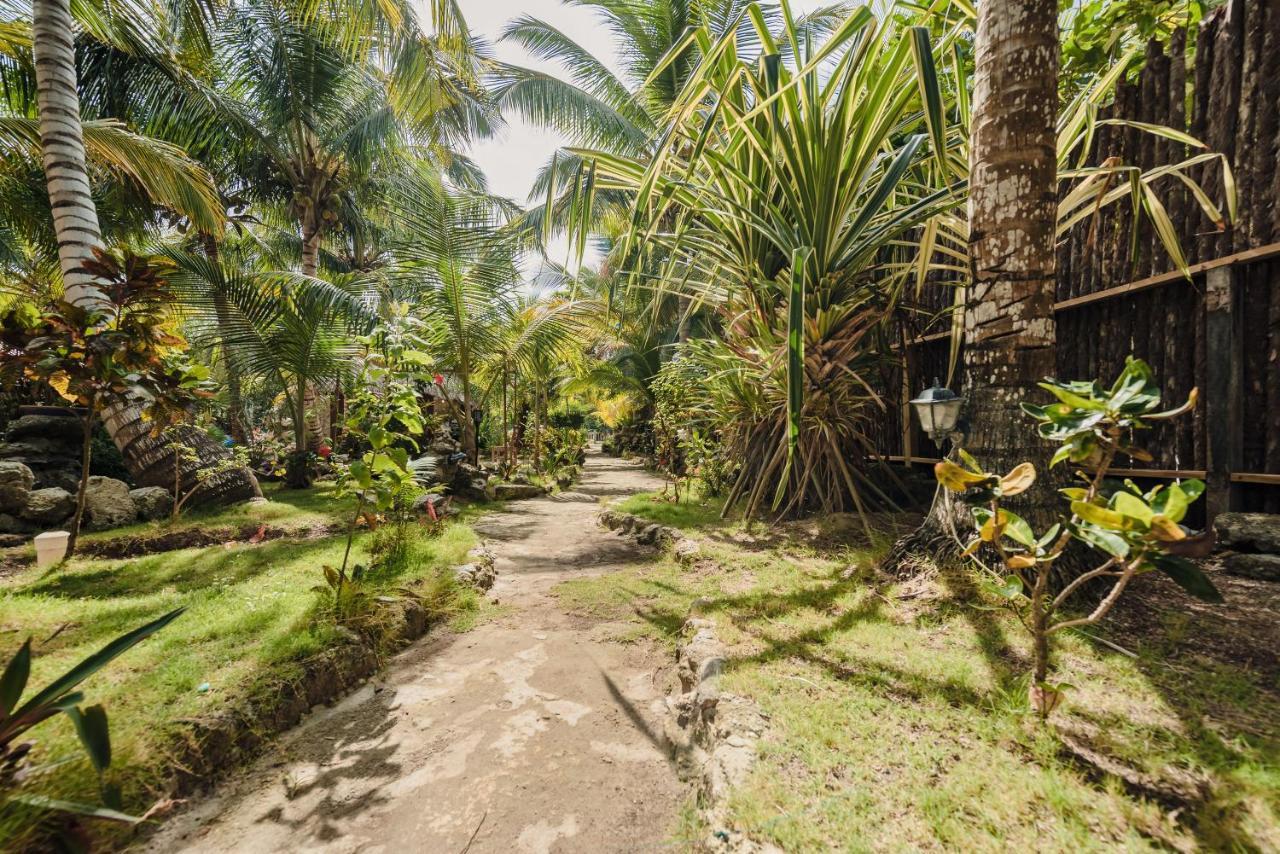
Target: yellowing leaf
1019	480
955	478
1020	562
60	383
1166	530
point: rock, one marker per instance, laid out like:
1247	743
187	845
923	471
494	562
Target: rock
49	506
108	504
516	491
152	502
479	572
1249	532
686	550
16	481
60	427
1258	567
648	535
14	525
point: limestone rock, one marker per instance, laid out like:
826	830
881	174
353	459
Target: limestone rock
686	550
16	481
49	506
108	504
152	502
59	427
516	491
1258	567
1249	532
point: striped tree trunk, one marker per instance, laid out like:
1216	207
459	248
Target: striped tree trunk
75	219
151	461
75	222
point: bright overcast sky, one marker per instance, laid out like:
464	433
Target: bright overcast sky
512	159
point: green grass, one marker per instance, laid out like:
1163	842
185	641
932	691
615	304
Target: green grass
251	612
899	717
656	507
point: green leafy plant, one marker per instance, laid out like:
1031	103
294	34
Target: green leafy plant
60	696
1133	531
96	354
184	452
384	415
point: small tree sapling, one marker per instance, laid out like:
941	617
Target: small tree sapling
1132	530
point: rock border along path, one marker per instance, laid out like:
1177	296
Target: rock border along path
532	733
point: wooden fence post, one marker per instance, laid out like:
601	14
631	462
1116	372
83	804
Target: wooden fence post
1223	385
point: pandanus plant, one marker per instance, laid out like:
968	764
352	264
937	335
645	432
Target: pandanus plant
772	198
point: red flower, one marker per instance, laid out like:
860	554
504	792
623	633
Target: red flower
439	379
324	451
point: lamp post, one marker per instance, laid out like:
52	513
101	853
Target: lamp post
938	409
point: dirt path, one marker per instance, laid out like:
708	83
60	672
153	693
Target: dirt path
533	733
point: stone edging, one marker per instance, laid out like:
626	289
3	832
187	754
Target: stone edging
211	746
714	734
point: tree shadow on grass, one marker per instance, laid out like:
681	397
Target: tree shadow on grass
1215	669
181	572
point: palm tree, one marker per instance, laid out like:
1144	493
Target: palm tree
75	218
320	122
140	174
620	114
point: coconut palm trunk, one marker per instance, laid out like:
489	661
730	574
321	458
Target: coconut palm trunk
75	219
313	404
1008	323
75	222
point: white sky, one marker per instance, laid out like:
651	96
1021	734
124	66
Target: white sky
512	159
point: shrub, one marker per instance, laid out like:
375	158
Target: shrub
1131	530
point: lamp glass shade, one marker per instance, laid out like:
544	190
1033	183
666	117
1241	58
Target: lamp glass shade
938	410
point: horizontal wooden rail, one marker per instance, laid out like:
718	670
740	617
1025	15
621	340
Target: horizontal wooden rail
1261	253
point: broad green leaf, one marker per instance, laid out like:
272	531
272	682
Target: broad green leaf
1131	505
1101	516
1017	529
91	727
1113	544
1188	576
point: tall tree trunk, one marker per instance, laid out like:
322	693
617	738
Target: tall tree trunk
312	417
75	223
150	460
75	219
222	309
1008	323
82	490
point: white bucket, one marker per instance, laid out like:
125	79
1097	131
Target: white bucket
51	547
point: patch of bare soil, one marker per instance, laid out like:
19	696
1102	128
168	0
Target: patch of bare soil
1243	631
532	733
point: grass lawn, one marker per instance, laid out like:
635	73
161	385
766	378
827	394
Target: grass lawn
899	717
251	612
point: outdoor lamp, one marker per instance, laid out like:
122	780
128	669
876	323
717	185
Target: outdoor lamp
938	409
